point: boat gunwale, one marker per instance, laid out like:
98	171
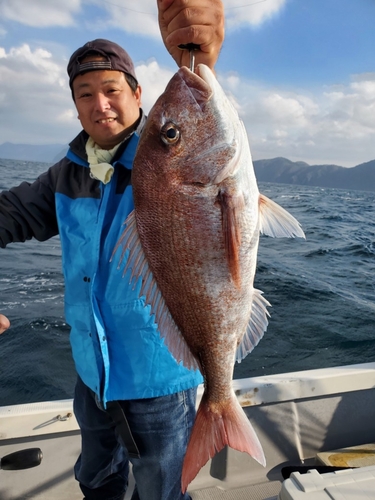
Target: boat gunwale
51	417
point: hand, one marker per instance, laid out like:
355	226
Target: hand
4	323
192	21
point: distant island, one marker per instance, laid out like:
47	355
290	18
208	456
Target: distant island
278	170
48	153
284	171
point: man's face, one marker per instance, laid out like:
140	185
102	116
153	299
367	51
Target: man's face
107	106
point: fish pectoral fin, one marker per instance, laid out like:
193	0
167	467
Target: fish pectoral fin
256	327
275	221
231	205
139	268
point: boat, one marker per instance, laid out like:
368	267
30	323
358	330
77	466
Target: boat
313	424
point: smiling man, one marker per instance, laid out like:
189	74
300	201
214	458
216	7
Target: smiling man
133	401
105	92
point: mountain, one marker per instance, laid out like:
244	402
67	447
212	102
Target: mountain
279	170
284	171
49	153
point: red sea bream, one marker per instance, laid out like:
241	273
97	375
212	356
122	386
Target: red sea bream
193	238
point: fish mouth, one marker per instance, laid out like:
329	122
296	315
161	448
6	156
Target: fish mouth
198	83
206	74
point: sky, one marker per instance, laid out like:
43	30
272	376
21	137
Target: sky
300	72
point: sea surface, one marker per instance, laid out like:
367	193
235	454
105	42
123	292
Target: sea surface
322	292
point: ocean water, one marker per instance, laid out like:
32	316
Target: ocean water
322	292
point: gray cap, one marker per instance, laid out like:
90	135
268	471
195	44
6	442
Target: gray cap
117	59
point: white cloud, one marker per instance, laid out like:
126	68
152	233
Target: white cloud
133	17
333	125
253	13
330	125
34	96
35	100
141	18
40	13
153	80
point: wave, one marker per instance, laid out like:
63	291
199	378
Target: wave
321	289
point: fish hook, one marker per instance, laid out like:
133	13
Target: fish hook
191	47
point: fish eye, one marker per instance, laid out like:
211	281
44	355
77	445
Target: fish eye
170	133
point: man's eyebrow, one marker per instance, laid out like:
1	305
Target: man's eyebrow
81	85
109	80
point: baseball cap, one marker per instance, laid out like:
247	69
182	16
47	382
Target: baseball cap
117	59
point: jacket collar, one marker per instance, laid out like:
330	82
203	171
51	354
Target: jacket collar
77	148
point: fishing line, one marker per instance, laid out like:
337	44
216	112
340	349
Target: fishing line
246	5
128	8
152	13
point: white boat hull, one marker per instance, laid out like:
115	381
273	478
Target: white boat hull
296	416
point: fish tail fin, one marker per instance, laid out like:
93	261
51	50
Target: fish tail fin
214	428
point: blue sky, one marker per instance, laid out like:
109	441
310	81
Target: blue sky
300	72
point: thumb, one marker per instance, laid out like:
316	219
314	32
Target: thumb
4	323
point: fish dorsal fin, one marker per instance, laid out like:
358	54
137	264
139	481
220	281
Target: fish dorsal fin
230	206
139	268
275	221
256	326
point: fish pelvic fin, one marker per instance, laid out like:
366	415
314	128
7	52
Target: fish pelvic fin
256	327
275	221
230	206
217	426
137	268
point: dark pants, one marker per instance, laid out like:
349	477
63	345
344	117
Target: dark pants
161	428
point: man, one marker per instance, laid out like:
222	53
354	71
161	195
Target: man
127	379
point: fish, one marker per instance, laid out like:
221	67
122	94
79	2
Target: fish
193	241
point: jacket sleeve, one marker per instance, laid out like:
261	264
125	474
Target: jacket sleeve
28	211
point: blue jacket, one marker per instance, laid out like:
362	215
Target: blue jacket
117	349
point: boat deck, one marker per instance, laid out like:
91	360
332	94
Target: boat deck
295	415
54	478
265	491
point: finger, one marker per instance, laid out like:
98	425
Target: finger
197	34
198	29
209	46
4	323
182	14
191	10
192	21
164	4
189	16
